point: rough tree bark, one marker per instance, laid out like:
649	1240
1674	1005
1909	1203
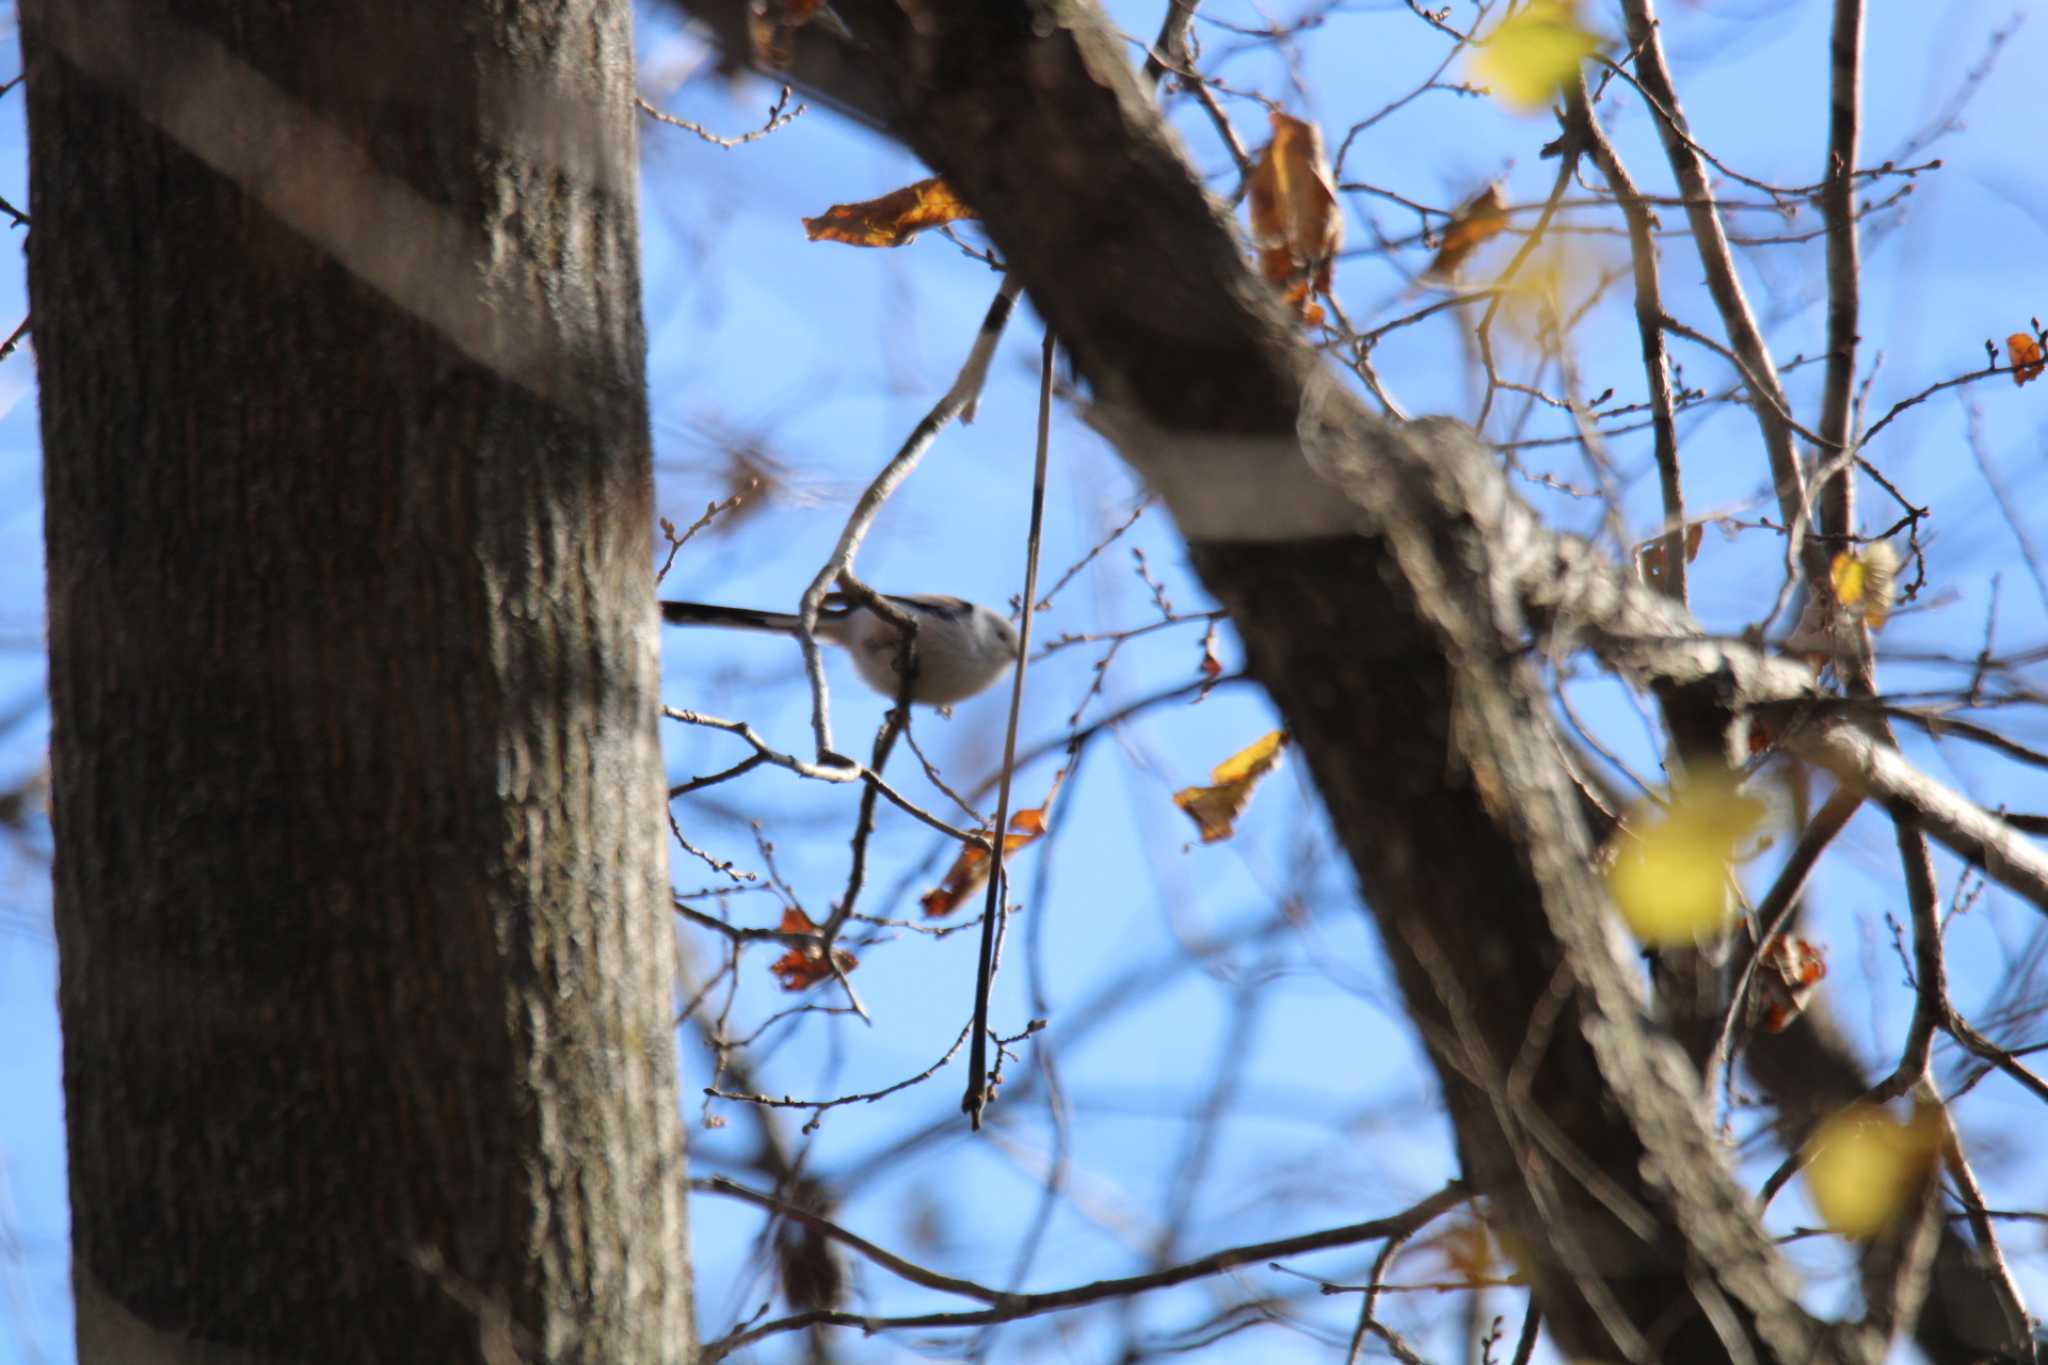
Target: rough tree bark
1393	594
361	888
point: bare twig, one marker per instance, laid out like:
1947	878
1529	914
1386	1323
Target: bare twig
978	1094
1011	1307
1767	396
1585	125
846	771
779	116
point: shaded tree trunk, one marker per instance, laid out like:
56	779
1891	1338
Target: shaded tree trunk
361	892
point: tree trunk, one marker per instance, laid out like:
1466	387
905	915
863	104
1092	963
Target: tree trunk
361	887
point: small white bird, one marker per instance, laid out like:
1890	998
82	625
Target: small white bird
962	648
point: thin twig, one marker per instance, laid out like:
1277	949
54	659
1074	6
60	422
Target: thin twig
979	1094
846	771
1011	1307
777	120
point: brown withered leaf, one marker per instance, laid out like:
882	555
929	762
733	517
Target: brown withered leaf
1296	225
1787	970
1480	219
1651	556
893	219
772	26
1215	808
970	868
804	966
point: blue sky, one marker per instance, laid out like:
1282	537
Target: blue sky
1172	982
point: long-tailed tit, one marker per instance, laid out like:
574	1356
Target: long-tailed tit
962	648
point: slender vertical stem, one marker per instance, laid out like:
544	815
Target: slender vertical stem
977	1097
1767	394
1642	246
1838	206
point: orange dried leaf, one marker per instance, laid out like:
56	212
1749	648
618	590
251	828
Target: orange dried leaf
970	867
1296	225
1215	808
893	219
1482	218
804	965
2027	358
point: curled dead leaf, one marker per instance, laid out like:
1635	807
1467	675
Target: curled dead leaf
970	866
805	964
1296	224
1787	971
1215	808
1480	219
893	219
1650	557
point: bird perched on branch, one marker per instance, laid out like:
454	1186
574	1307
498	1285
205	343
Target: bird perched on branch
962	648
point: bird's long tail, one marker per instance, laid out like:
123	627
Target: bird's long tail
739	618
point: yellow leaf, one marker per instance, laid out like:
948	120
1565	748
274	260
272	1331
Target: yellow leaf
1866	581
893	219
1540	302
1530	56
1216	808
1866	1167
1671	881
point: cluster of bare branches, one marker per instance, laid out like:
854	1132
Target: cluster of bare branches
1536	391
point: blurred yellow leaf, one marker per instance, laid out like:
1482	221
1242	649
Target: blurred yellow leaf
1551	287
1670	882
1867	1166
893	219
1216	808
1866	581
1532	54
